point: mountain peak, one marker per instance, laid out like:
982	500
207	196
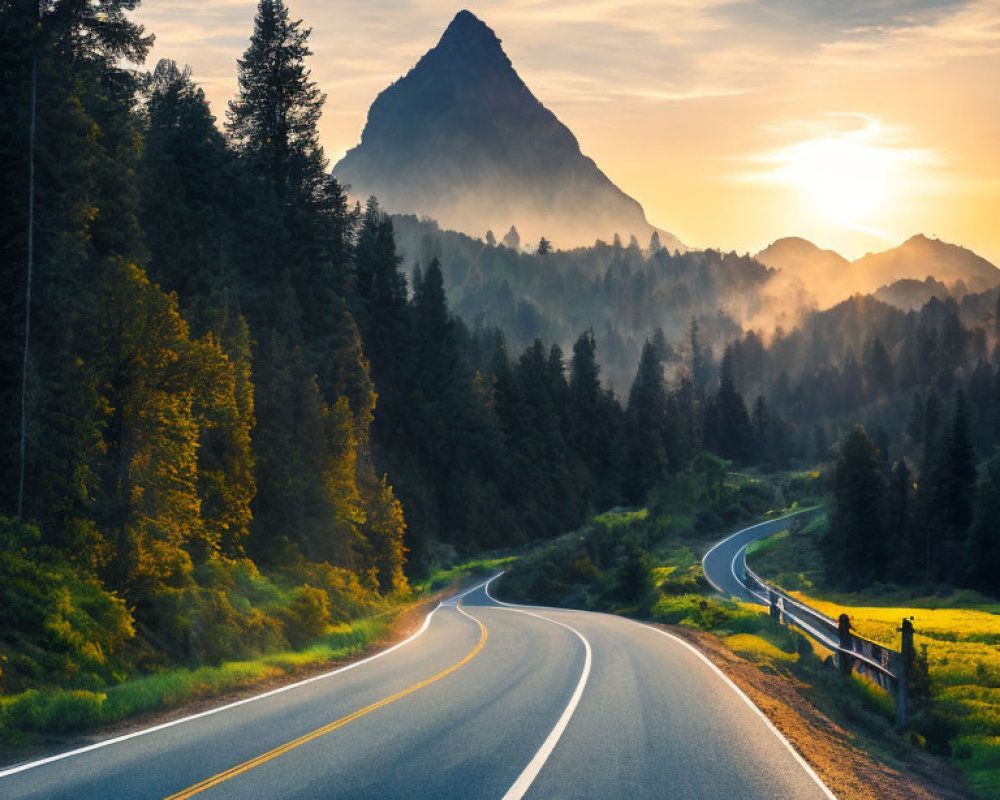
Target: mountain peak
462	139
468	39
466	25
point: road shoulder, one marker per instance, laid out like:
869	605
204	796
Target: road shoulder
849	771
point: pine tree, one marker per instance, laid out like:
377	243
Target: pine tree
982	554
512	240
762	444
187	179
148	505
378	299
273	122
730	436
592	420
904	549
855	548
67	110
224	409
960	461
296	221
699	363
385	530
645	422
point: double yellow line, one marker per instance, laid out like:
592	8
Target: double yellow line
239	769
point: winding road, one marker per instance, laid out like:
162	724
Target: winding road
725	564
487	700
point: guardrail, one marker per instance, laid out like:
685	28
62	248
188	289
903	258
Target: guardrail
882	665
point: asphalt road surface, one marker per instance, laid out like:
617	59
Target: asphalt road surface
725	564
486	701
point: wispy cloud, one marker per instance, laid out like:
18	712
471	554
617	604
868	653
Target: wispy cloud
967	31
847	139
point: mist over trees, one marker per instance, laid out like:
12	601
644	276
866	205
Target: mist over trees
624	293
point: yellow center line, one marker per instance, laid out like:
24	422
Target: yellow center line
232	772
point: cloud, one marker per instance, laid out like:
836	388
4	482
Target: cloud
969	30
848	140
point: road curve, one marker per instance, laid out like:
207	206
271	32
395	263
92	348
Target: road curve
488	701
725	564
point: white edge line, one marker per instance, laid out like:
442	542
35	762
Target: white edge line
734	535
732	685
530	772
728	681
118	739
732	567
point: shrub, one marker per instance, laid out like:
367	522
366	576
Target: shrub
307	617
53	711
58	624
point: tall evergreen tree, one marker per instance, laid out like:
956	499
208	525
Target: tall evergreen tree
273	122
80	133
727	424
904	549
855	548
188	181
593	420
297	217
982	554
645	423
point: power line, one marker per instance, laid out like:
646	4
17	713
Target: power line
27	289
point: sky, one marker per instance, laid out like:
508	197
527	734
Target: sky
852	123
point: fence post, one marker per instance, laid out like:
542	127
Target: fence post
902	680
845	661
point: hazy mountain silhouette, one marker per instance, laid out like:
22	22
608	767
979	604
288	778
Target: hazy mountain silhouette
910	293
801	257
462	139
829	277
920	257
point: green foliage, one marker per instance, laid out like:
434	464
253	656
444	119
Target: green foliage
307	616
56	622
60	711
479	566
792	559
979	759
52	711
854	549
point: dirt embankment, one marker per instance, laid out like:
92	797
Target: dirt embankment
848	771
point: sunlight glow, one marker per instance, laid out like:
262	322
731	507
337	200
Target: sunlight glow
847	180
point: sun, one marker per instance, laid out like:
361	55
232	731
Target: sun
845	180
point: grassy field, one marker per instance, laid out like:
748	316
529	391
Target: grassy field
961	633
25	716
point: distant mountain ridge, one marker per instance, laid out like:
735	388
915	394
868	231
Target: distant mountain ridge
461	138
893	275
921	257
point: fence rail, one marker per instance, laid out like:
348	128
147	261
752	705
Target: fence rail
882	665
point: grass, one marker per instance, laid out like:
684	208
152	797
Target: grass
61	711
482	566
28	714
757	649
961	633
